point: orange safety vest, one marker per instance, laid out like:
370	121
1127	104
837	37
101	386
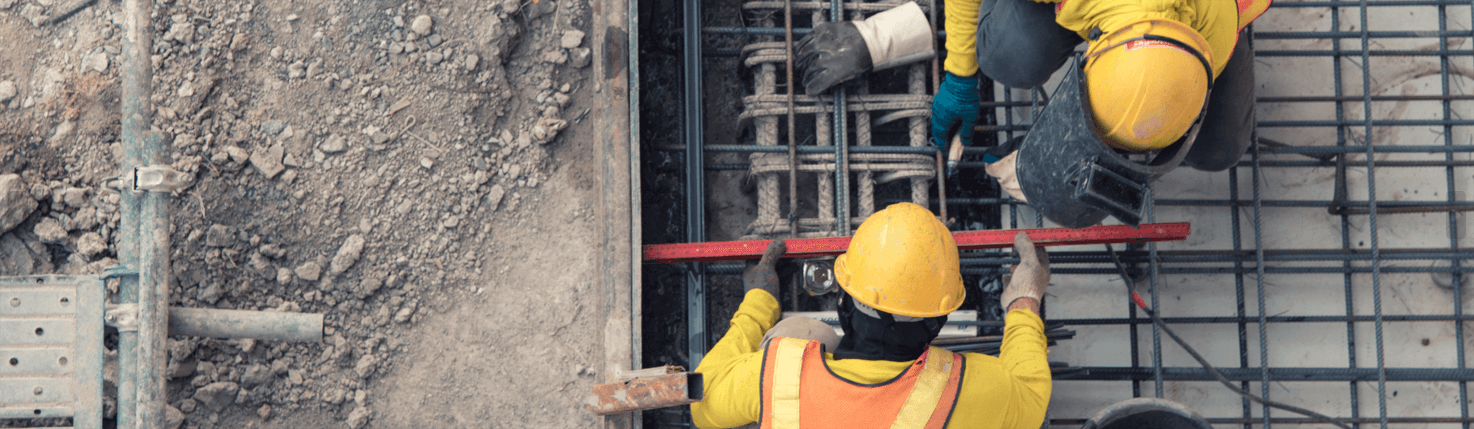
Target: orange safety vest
800	391
1249	10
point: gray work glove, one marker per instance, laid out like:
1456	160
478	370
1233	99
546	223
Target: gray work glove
838	51
763	274
1030	276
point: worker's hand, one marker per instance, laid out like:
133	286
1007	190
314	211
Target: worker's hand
764	275
954	110
833	53
1030	276
1006	171
838	51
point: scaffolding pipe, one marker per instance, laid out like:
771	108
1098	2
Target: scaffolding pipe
143	239
260	325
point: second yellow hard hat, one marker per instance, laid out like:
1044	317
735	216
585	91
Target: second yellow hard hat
903	261
1147	82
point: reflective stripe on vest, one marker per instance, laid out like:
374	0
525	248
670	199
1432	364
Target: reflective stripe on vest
1249	10
920	397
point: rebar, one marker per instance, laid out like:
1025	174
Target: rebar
846	140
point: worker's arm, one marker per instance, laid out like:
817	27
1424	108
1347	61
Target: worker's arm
961	24
732	370
1026	361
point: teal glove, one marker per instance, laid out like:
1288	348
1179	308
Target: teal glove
954	110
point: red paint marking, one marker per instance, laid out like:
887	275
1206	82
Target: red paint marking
966	240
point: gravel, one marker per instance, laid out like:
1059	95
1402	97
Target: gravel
267	160
7	91
359	417
422	25
49	230
347	254
15	203
309	271
216	396
571	39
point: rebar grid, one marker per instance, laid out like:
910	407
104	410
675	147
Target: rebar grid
1374	135
1337	80
844	178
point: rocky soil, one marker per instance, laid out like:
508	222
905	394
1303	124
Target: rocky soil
412	170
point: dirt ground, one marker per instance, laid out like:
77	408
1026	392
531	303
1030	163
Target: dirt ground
419	172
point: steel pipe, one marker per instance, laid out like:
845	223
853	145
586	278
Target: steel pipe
260	325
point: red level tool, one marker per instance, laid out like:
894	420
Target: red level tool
966	240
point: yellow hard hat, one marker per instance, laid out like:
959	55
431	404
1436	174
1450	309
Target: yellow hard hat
1147	82
902	261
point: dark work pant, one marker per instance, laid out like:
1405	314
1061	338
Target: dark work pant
1228	125
1020	45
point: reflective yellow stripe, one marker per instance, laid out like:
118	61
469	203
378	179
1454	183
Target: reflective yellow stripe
927	393
786	371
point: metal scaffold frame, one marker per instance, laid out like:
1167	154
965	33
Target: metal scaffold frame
1352	46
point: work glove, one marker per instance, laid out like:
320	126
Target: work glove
1006	171
954	110
838	51
764	274
1030	276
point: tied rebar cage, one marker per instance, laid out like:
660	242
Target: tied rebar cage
1325	269
827	134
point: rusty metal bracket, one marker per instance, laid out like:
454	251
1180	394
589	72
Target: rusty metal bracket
645	389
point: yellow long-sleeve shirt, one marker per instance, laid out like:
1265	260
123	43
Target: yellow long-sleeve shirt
1009	391
1216	20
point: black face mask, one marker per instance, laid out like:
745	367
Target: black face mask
883	338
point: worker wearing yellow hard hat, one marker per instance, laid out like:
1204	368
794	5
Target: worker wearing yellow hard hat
1153	69
1171	78
900	278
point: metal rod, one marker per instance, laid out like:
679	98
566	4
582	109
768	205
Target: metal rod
1279	374
792	126
695	184
966	240
261	325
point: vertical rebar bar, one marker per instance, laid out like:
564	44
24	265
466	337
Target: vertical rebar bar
695	184
841	146
1235	226
936	87
919	126
1259	286
792	129
1340	190
1455	278
1376	262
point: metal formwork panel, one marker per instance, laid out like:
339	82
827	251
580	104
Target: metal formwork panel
51	348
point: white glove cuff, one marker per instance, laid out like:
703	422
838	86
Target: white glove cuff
897	36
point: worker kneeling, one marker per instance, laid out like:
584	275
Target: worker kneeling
1162	83
900	279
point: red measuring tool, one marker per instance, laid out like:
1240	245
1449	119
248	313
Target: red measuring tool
966	240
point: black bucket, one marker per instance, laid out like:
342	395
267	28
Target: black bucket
1147	413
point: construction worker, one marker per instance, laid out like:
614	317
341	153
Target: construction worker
900	279
1148	69
1147	73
